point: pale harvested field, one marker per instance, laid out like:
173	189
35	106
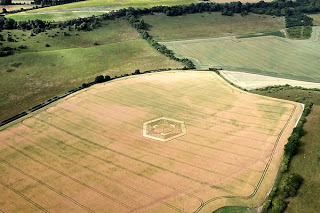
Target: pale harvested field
253	81
86	153
16	7
268	55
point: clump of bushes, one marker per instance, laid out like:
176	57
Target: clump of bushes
290	185
101	78
291	147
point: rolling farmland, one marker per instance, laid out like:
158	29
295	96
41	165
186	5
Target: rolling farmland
87	152
269	55
38	73
209	25
114	4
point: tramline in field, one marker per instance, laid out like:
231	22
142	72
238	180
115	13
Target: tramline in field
268	55
88	152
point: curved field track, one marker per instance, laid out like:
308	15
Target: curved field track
86	153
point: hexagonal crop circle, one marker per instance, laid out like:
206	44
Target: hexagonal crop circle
164	129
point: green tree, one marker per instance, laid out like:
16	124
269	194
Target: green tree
99	79
290	185
278	205
5	2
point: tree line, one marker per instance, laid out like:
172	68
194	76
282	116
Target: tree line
54	2
42	2
139	24
289	185
292	10
5	2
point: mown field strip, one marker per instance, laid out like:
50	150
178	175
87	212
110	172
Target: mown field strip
88	153
251	81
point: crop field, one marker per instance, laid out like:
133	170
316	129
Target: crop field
54	16
90	151
209	25
306	162
38	73
251	81
269	55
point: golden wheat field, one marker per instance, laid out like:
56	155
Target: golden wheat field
178	141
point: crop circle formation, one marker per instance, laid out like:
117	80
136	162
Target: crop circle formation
164	129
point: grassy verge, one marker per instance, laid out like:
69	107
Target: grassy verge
306	162
276	33
39	72
209	25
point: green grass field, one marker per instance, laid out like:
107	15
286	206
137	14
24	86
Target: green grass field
273	56
116	4
88	8
39	73
234	209
209	25
54	16
307	161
